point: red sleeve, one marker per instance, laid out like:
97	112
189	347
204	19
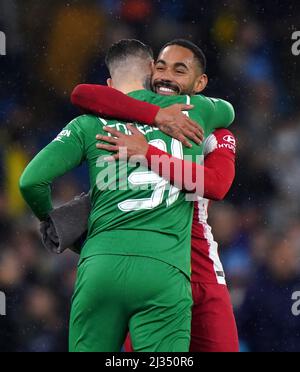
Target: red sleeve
211	181
108	102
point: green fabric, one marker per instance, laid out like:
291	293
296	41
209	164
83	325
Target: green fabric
151	223
210	113
117	294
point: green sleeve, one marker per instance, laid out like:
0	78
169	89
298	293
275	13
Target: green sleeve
60	156
216	112
223	115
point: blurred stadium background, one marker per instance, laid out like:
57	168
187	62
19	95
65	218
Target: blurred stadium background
54	46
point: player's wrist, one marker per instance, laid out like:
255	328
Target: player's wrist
154	115
159	118
141	150
144	151
153	153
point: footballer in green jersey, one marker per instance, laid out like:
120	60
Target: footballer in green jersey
135	264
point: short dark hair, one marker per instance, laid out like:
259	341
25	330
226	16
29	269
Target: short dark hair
127	48
198	52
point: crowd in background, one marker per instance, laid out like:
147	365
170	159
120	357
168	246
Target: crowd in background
52	47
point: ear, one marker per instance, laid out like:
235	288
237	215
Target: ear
110	83
152	66
200	84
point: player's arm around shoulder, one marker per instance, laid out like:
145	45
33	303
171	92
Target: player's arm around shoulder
223	114
217	112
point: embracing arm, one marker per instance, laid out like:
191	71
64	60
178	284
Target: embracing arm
222	114
59	157
108	102
211	181
216	176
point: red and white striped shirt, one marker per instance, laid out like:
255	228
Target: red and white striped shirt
220	153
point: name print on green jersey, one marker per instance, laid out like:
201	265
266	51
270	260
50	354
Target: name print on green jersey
121	127
64	133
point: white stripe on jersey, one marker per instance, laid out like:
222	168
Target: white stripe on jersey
210	145
188	102
212	244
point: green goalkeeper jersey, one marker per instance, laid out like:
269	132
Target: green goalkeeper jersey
134	211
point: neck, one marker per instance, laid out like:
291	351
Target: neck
127	82
128	88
